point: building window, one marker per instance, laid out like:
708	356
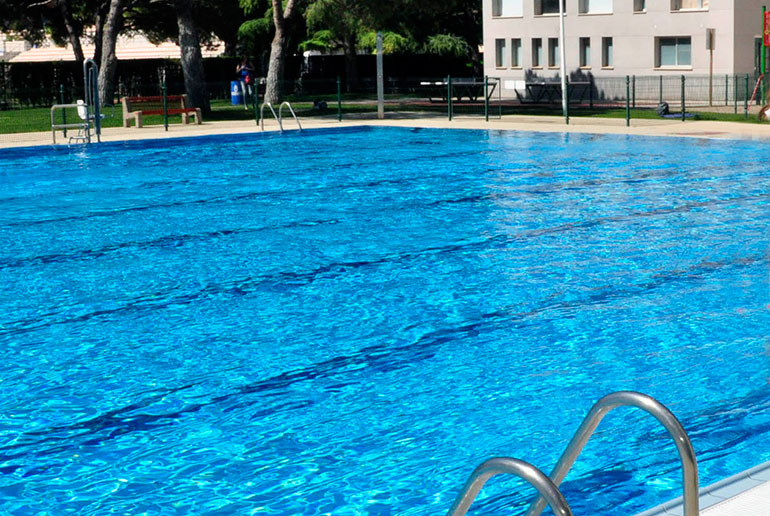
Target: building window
685	5
516	53
537	52
548	6
674	52
508	8
595	6
607	52
640	6
553	52
585	52
500	53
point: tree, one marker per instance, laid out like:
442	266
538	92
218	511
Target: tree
281	19
109	62
192	60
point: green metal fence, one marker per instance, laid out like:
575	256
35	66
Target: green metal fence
720	97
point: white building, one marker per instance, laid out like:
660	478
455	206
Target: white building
622	37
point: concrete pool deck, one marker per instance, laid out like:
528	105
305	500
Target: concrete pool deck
744	494
657	127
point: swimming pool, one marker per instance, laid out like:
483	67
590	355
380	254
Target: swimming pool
348	322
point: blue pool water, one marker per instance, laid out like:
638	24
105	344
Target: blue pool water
348	322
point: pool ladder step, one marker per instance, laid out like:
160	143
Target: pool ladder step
279	115
548	486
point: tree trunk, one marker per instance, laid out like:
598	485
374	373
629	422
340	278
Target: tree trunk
351	64
192	60
99	19
109	64
274	86
72	32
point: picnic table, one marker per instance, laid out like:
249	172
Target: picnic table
541	92
471	89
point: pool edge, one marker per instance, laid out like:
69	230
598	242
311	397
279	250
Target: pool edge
718	492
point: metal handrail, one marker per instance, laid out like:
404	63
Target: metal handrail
82	125
262	116
280	113
629	399
91	89
521	469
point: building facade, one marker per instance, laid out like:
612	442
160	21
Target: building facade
622	37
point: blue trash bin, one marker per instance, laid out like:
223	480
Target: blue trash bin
236	95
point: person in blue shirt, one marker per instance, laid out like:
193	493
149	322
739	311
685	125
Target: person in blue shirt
246	76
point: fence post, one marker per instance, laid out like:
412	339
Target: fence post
63	111
660	101
449	96
486	98
633	91
735	92
683	93
165	104
628	101
746	99
591	91
256	100
339	99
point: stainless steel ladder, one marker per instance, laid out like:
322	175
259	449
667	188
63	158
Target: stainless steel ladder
600	409
278	116
88	110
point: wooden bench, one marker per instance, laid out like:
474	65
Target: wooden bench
137	107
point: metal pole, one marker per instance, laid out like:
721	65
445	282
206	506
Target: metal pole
763	50
380	80
563	52
486	98
567	112
165	105
746	99
633	91
711	76
591	91
735	92
683	109
256	100
660	101
449	96
628	101
63	111
339	99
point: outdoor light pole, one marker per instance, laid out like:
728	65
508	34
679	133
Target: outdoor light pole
563	52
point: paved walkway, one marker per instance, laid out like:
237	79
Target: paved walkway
690	128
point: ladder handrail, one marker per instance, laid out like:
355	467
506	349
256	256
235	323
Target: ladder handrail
521	469
91	93
262	115
280	113
650	405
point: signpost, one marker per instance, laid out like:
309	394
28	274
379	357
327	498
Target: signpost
710	42
765	44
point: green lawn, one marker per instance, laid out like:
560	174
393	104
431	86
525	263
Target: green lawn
39	119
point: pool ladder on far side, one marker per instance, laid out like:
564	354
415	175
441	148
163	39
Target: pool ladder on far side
548	487
279	116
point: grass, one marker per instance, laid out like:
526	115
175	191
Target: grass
39	119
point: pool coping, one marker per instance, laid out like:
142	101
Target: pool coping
726	489
715	130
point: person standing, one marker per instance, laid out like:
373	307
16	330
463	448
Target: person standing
246	76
